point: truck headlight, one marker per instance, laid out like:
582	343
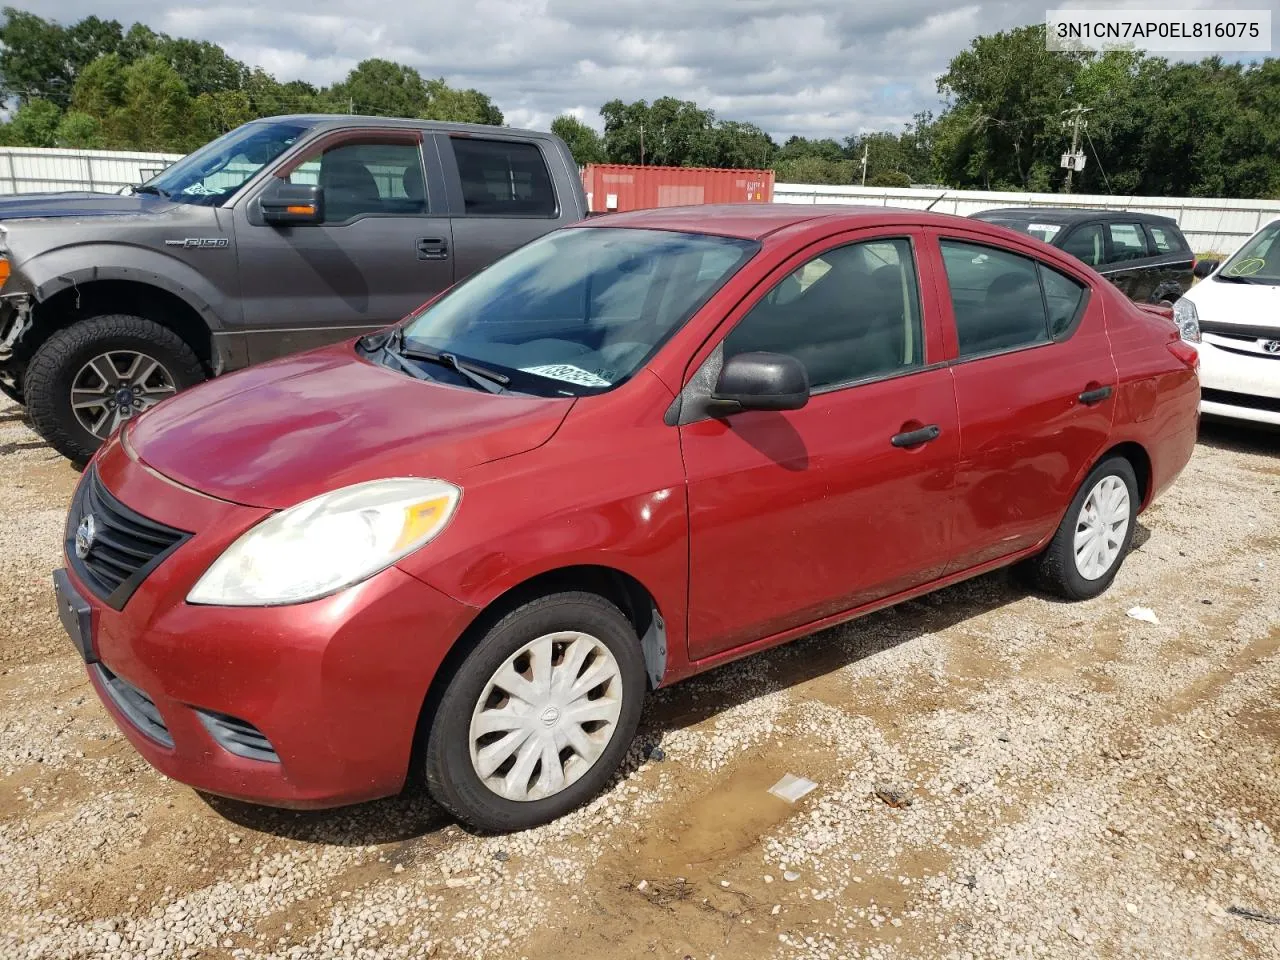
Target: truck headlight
328	542
1187	319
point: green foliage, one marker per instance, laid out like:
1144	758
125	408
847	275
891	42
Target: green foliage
584	143
79	131
35	124
889	178
679	133
813	170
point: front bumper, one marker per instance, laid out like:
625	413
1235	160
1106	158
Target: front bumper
1239	385
334	687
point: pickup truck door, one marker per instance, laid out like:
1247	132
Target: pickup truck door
385	245
502	194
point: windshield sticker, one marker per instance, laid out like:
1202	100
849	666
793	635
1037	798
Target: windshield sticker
1043	230
569	374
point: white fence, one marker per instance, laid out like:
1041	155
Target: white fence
33	170
1217	226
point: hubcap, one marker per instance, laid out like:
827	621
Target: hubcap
546	716
116	385
1101	527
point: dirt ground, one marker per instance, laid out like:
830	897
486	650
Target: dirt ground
1071	783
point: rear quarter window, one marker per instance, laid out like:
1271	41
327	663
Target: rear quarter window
1166	240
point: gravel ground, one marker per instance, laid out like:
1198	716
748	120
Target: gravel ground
998	776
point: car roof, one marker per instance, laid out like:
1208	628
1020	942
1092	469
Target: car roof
1069	215
323	121
754	221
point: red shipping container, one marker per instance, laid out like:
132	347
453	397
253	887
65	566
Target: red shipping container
615	187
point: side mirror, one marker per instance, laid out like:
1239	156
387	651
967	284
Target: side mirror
284	203
760	381
1204	267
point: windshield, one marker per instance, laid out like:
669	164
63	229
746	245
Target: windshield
218	169
1041	231
578	311
1258	261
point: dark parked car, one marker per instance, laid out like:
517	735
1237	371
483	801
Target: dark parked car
284	234
630	451
1144	255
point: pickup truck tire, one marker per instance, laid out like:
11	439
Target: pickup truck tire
107	360
578	708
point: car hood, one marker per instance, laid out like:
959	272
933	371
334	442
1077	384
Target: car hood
78	204
1252	305
277	434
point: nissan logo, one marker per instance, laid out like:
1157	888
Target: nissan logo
85	534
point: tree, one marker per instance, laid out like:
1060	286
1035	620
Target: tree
459	106
79	131
204	67
157	109
584	143
381	88
35	124
813	169
742	145
33	59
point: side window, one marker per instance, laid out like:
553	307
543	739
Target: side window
1128	242
852	313
996	297
504	178
1085	243
1166	240
1063	297
366	178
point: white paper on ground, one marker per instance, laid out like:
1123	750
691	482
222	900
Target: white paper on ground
791	788
1145	614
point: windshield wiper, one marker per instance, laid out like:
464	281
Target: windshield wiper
482	377
1232	278
148	188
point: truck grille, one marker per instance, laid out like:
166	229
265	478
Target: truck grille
135	705
123	547
238	736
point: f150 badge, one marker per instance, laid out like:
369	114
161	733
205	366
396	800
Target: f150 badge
199	243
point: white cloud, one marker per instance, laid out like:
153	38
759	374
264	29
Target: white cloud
812	67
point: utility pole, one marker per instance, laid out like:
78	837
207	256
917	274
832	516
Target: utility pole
642	144
351	105
1077	123
866	150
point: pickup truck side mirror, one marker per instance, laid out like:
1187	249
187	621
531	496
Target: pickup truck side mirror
284	203
760	381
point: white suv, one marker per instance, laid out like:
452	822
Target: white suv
1234	317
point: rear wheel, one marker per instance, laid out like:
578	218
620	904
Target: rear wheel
89	378
1091	542
539	715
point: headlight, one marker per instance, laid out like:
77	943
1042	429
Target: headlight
1187	319
327	543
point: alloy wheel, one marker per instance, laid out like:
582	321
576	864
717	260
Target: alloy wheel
546	715
117	385
1101	527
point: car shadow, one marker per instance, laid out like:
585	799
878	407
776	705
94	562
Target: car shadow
1257	438
411	816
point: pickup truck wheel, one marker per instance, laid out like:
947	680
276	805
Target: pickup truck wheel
540	714
89	378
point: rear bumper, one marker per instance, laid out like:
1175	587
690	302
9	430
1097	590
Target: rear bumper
1239	386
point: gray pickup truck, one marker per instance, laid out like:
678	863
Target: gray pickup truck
284	234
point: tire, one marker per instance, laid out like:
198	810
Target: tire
1057	570
63	359
452	777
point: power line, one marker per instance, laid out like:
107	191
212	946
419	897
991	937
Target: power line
1098	159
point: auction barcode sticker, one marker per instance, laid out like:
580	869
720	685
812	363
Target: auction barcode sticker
1160	31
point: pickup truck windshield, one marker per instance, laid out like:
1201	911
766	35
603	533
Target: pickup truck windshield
1258	261
213	173
578	311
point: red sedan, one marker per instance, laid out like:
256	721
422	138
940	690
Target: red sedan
630	451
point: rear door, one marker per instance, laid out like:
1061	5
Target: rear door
1130	264
1173	263
1034	382
384	246
799	515
501	195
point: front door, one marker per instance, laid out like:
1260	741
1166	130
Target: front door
801	515
382	249
1034	381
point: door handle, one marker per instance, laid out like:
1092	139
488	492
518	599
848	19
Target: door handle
1095	395
914	438
433	248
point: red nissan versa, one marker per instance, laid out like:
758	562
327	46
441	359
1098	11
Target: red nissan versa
630	451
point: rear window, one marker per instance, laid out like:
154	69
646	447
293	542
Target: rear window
1166	240
503	178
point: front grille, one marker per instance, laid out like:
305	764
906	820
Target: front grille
1240	399
238	736
124	546
135	705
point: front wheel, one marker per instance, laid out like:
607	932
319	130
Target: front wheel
1085	553
89	378
539	715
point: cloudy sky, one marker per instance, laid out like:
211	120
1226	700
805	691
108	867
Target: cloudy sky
812	67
